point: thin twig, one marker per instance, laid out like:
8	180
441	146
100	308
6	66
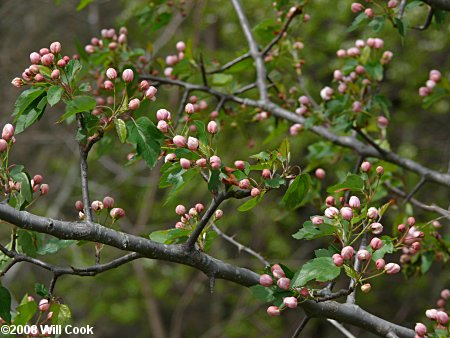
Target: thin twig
202	68
181	107
230	64
341	328
239	245
369	140
355	171
335	295
401	9
351	298
427	21
301	326
414	190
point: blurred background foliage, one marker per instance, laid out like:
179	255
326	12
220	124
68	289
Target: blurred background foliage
158	299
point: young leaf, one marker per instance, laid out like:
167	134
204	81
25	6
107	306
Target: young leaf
251	203
26	242
352	182
387	247
5	304
77	105
53	245
121	129
41	290
263	293
296	192
31	114
26	98
54	94
309	231
321	269
25	311
214	181
147	138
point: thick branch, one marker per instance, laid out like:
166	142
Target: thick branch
254	51
439	4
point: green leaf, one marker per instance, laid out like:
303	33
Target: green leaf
121	129
377	23
63	314
284	148
321	269
147	138
25	99
352	182
41	290
201	132
214	181
296	192
400	26
25	240
159	236
263	293
221	79
77	105
357	22
309	231
274	183
53	245
5	304
351	272
170	236
324	252
54	94
31	114
251	203
426	260
25	311
82	4
387	247
25	186
375	70
72	68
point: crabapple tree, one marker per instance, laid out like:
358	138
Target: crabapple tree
319	159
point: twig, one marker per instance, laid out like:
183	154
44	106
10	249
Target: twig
181	107
341	328
334	295
369	140
355	171
401	9
351	298
301	326
254	52
427	21
230	64
432	208
239	245
202	68
415	189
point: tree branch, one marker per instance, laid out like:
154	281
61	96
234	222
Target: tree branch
254	51
439	4
341	328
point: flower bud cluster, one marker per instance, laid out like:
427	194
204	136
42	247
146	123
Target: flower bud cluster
189	218
433	79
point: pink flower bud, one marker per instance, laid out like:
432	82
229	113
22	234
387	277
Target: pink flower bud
108	202
171	60
180	209
185	163
44	51
363	255
326	93
35	58
168	71
163	126
357	7
97	206
170	158
201	162
353	51
366	288
189	109
199	207
8	132
430	84
331	212
392	3
192	143
212	127
377	228
277	271
435	75
442	317
357	106
420	329
441	303
134	104
163	114
411	221
255	192
122	39
320	173
181	46
202	105
360	43
44	189
111	73
17	82
366	166
317	220
127	75
244	184
372	213
273	311
341	53
44	305
108	85
338	260
284	283
415	246
401	228
424	91
266	173
354	202
294	130
376	243
79	206
392	268
378	43
55	47
347	213
179	141
215	162
265	280
347	252
445	294
380	264
218	214
150	93
329	201
290	302
117	213
47	59
369	12
431	314
304	100
338	75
